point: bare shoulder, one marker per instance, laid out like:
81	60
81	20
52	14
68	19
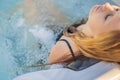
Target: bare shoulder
60	50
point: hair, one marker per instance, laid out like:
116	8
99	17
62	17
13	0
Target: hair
105	47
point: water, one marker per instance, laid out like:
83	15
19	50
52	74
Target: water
27	35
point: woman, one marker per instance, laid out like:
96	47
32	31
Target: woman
99	38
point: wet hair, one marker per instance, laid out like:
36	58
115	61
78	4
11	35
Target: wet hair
105	47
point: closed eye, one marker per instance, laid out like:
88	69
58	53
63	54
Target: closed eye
108	15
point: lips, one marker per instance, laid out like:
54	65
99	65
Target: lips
98	7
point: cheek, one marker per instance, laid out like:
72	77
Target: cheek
114	24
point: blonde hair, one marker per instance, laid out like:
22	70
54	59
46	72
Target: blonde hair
104	47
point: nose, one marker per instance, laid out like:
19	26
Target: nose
108	7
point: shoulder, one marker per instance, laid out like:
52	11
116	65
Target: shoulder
81	27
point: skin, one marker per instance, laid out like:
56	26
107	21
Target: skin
102	18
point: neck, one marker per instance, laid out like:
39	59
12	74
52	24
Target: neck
86	30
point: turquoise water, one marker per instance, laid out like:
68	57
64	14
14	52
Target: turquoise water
78	8
8	4
6	59
23	43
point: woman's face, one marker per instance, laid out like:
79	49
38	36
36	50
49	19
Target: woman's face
104	18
